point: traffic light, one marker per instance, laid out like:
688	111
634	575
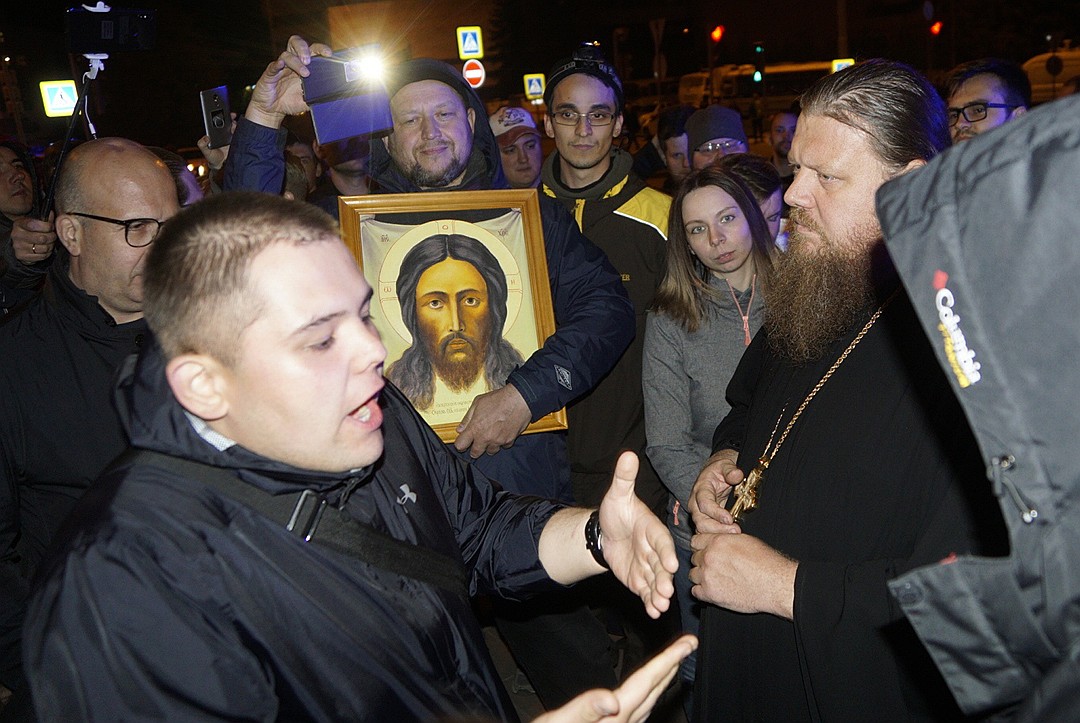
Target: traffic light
935	29
759	61
717	33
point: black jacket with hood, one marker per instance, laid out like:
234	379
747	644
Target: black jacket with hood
58	429
594	320
214	611
985	239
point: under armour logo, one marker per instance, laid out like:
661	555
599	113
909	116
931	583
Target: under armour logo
407	495
563	376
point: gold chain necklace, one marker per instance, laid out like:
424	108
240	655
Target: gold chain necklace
746	491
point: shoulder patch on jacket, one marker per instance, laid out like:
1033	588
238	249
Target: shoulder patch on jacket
649	207
563	377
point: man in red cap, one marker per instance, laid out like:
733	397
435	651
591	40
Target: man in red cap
519	145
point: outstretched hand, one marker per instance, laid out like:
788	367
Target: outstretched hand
279	91
632	701
637	545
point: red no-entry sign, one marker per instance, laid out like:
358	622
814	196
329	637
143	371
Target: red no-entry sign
474	72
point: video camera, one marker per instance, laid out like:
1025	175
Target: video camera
101	29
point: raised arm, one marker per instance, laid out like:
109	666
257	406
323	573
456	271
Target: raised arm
256	160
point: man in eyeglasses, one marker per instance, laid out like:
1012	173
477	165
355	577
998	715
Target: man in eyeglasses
618	212
984	94
58	426
714	132
626	219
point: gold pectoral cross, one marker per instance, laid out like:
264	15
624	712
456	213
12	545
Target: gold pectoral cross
746	491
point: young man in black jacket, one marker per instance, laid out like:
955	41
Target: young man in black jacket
442	141
213	576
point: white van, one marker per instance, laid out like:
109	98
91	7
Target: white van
692	89
1044	87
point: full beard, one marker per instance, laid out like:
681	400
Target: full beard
425	178
817	295
460	372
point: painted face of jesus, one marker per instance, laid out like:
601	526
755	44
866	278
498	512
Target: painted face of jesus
454	321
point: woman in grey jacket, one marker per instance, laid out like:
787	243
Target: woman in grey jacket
708	306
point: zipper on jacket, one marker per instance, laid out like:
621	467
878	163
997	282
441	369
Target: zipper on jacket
1001	482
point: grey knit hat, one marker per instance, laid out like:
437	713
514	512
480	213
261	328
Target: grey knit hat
714	121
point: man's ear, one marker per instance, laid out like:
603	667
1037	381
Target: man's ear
70	233
548	128
617	130
911	166
1018	111
471	115
198	383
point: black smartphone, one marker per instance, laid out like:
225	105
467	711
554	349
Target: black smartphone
216	118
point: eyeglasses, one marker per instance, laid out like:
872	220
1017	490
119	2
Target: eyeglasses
718	146
974	112
138	232
593	117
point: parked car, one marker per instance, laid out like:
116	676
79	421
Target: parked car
1046	87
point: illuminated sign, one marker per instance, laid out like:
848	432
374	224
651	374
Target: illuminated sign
534	85
474	73
59	97
470	42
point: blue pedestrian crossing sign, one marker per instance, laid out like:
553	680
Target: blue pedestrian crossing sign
59	97
839	64
470	42
534	85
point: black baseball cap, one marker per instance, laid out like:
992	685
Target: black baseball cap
589	60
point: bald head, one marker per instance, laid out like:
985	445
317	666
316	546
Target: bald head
111	162
111	196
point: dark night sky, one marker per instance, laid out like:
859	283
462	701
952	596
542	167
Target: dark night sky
152	96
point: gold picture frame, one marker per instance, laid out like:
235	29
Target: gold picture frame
396	238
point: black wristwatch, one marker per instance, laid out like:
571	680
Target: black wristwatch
594	539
